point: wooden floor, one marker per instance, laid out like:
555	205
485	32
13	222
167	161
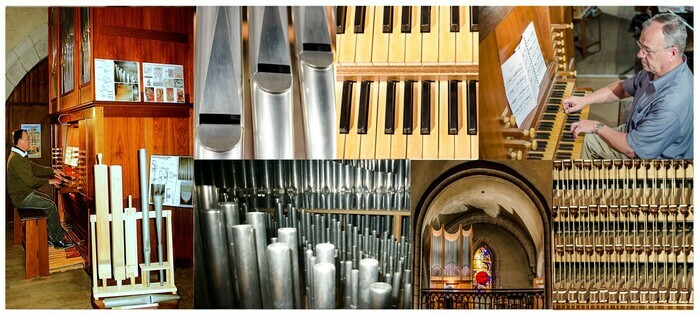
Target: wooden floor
65	290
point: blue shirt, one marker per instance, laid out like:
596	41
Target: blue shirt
661	123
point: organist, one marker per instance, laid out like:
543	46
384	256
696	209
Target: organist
661	124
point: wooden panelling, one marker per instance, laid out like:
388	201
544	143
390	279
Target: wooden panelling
119	129
28	103
151	34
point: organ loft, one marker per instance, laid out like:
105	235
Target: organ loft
481	234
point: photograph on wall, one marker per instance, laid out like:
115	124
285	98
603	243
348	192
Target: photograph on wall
34	131
163	82
117	80
172	176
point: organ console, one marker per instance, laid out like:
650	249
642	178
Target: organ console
407	82
623	234
544	133
278	104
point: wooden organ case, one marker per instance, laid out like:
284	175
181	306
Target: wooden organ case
623	234
82	126
544	134
407	81
450	259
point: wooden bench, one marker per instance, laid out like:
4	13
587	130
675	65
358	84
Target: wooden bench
30	231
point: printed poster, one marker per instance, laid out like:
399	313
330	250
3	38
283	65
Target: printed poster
163	83
117	80
34	131
176	176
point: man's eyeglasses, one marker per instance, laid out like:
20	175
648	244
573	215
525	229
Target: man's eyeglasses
648	51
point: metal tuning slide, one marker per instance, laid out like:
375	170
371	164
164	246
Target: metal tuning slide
218	108
312	45
271	83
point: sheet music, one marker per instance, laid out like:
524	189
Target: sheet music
523	73
519	89
532	54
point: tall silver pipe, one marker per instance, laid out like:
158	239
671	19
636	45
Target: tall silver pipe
396	288
380	295
231	218
158	190
231	213
247	266
407	293
358	188
346	187
279	214
390	191
271	82
337	183
347	300
279	184
216	252
281	284
379	190
369	271
355	295
145	225
325	253
288	236
315	65
312	293
218	96
308	283
324	286
367	189
207	197
257	220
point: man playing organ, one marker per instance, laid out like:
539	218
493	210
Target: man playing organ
661	123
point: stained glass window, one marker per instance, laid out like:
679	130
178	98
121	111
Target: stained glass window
482	268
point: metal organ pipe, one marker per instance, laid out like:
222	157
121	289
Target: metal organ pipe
348	252
281	283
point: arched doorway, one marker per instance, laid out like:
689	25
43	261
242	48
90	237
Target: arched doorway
508	213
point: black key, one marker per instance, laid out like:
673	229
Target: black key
453	111
425	19
425	108
359	19
475	20
340	12
345	107
408	108
388	19
390	107
471	113
454	19
364	108
406	19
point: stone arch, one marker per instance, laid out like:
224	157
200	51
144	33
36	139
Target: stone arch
487	169
31	47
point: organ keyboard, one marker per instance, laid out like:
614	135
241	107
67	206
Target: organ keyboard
623	234
397	101
553	136
271	113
